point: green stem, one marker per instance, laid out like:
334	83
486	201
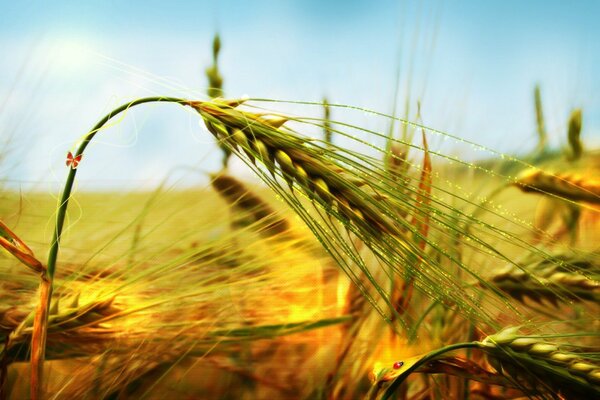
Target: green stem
428	357
40	339
62	210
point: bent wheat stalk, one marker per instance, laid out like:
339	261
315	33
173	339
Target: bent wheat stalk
347	189
38	340
287	154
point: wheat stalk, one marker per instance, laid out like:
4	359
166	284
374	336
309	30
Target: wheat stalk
539	117
38	339
366	205
14	245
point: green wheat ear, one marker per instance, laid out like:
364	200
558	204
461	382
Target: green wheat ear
574	135
215	88
215	79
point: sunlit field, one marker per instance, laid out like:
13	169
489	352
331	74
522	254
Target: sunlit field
326	250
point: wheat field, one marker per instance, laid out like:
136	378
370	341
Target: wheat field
376	259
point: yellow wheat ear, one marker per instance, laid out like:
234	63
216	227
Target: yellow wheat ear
571	186
253	209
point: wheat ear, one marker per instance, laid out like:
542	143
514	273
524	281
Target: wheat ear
286	154
519	358
561	278
255	209
570	186
574	135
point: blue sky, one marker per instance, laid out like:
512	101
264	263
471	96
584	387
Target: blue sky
472	64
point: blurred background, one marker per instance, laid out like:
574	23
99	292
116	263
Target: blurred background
472	65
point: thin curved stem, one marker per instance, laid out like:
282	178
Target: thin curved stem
40	328
428	357
62	210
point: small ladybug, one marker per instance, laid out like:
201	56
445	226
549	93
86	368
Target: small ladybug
398	364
